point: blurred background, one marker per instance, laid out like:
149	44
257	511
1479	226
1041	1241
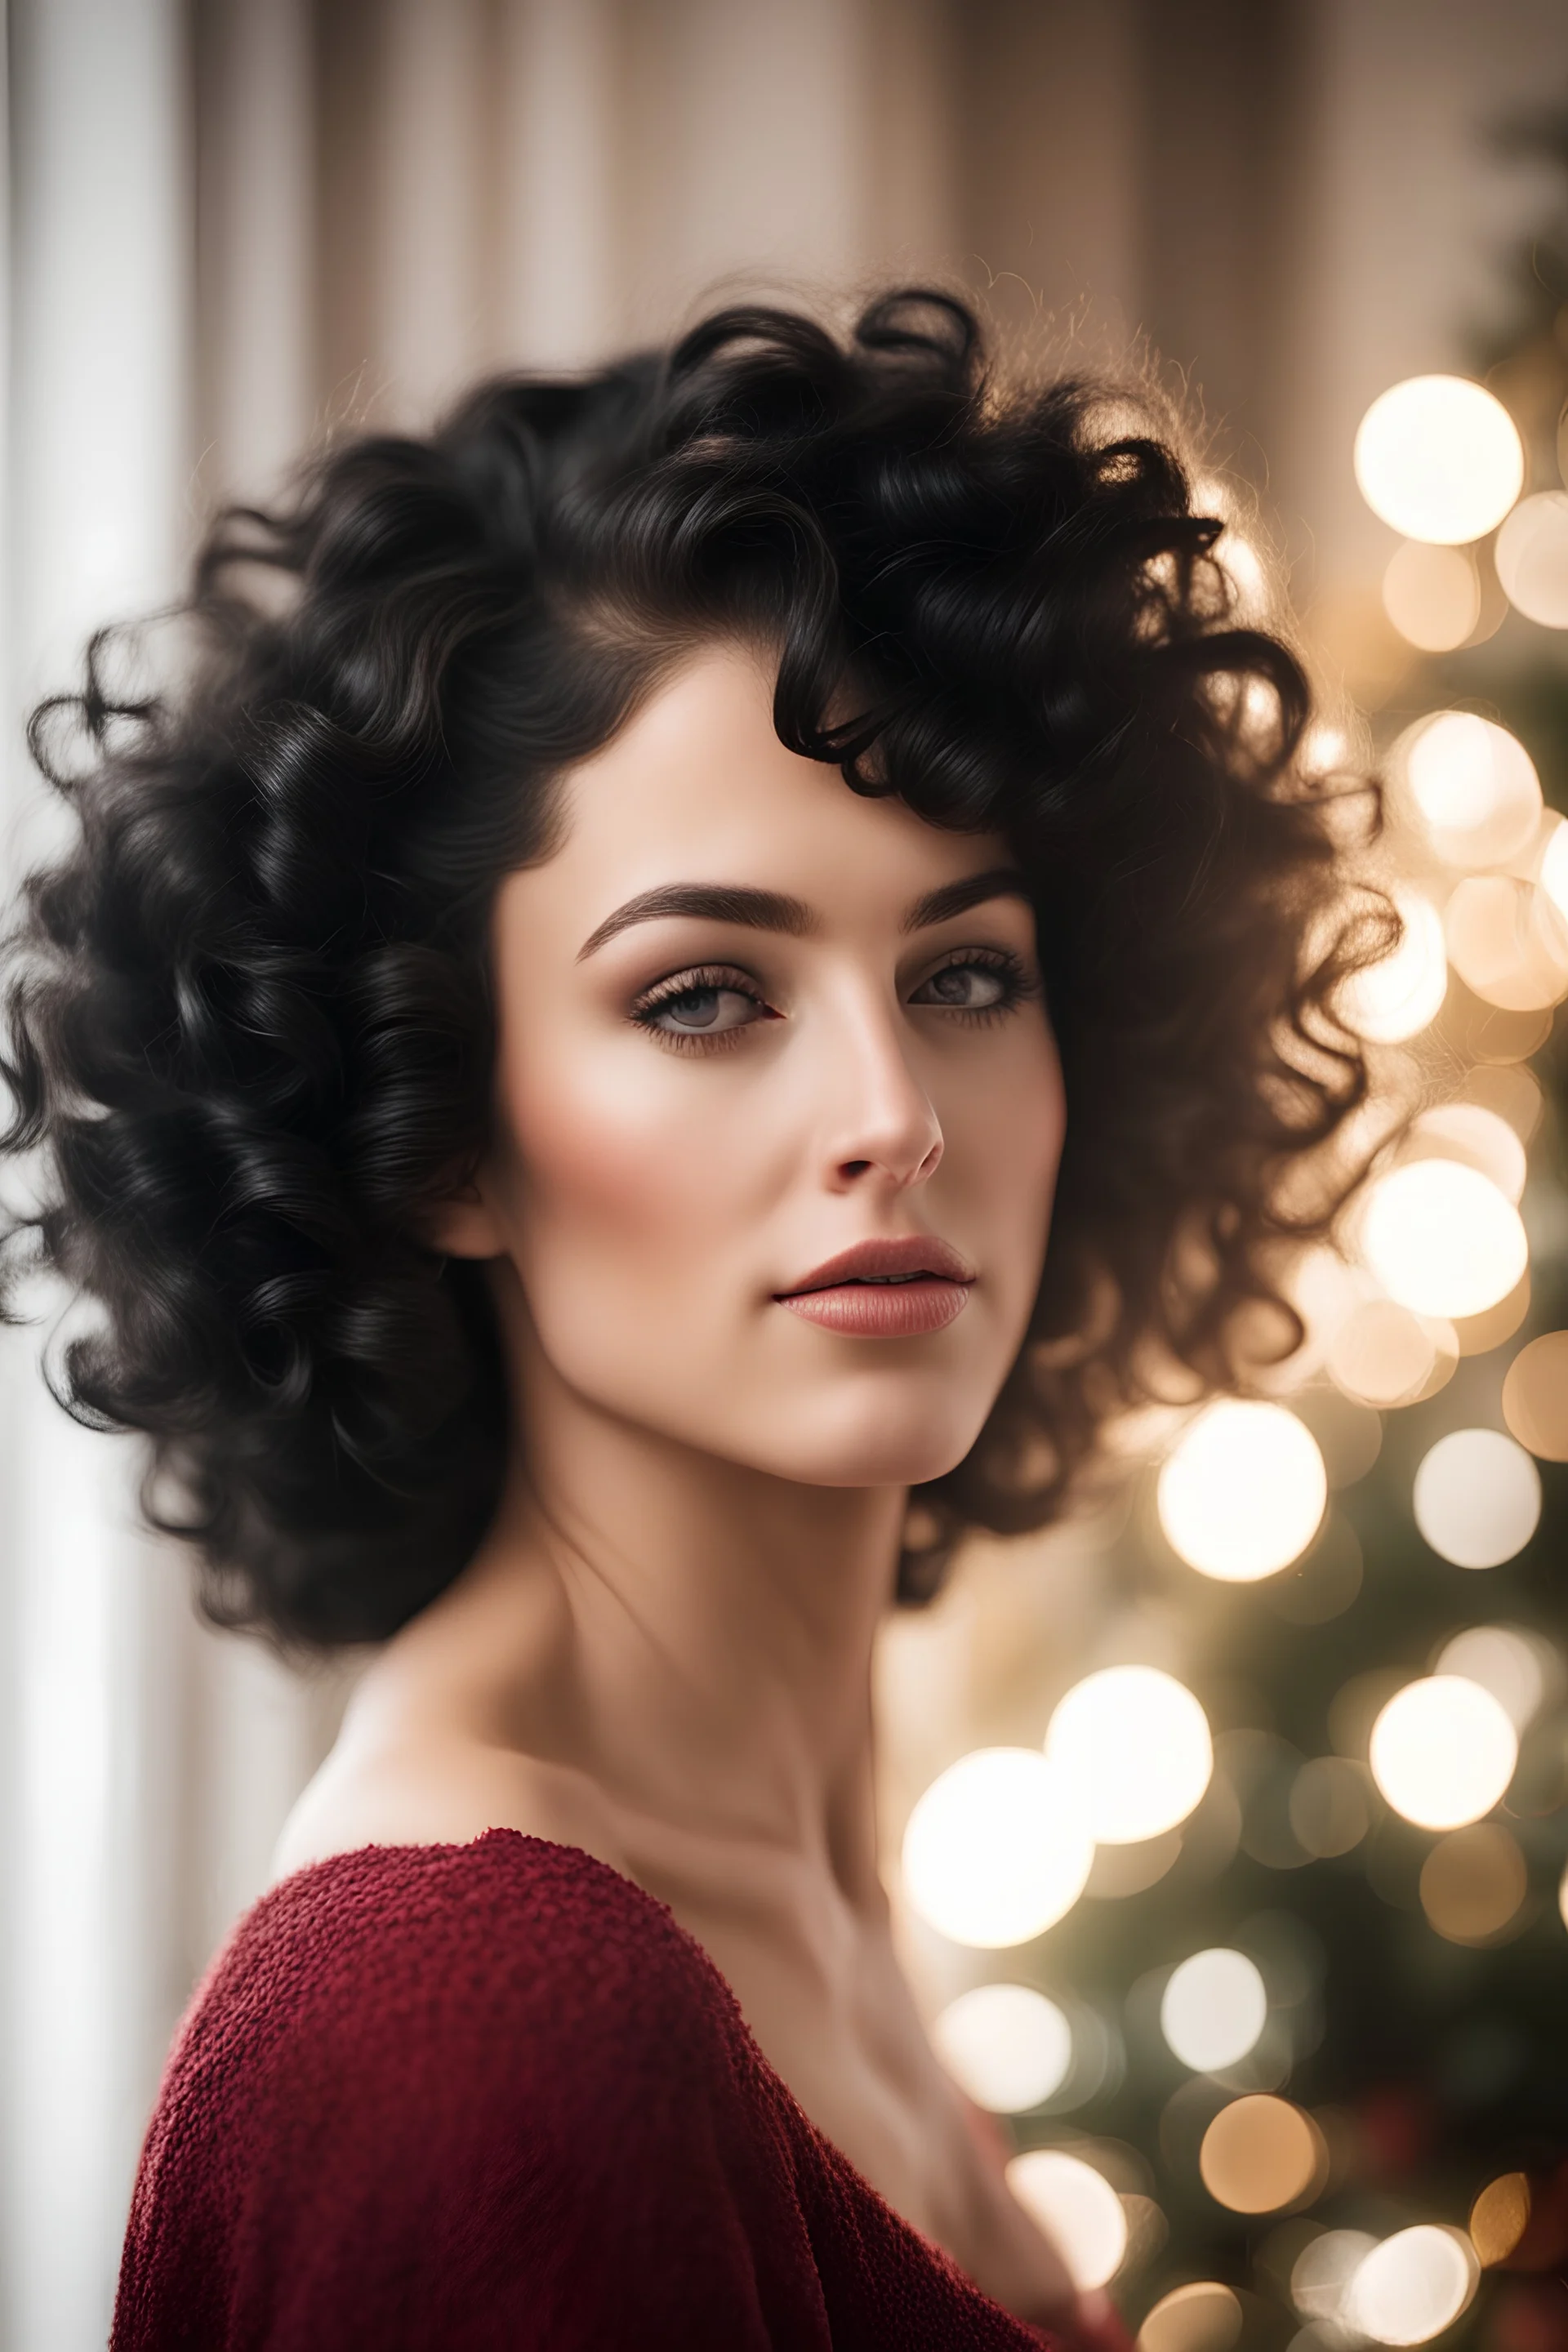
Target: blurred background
1251	1935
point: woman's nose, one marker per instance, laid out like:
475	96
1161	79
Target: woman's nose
885	1129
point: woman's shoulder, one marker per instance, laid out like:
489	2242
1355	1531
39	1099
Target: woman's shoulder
498	1948
402	1774
422	2082
444	2011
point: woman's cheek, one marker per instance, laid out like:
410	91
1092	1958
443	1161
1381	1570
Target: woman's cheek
623	1155
1006	1129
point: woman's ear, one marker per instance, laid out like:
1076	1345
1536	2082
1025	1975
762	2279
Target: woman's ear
463	1223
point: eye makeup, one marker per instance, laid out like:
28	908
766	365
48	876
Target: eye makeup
707	1006
976	983
703	1007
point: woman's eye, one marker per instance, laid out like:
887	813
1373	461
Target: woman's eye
706	1010
964	988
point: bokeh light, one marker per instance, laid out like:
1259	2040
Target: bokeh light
1401	992
1535	1396
1482	1138
1510	1089
1442	1239
1356	1706
1503	1660
1443	1751
1477	1335
996	1849
1500	2217
1244	1492
1147	2229
1413	2285
1133	1745
1476	1498
1432	595
1385	1355
1214	2008
1005	2044
1120	1871
1553	870
1078	2209
1349	1434
1439	459
1533	559
1485	1034
1474	786
1261	2153
1473	1882
1202	2317
1328	1808
1507	942
1323	2276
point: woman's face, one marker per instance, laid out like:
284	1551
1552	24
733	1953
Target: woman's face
779	1109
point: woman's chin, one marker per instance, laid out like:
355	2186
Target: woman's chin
891	1451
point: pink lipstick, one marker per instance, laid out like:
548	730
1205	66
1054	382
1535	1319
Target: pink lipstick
885	1290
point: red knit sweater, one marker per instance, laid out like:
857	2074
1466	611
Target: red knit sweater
450	2098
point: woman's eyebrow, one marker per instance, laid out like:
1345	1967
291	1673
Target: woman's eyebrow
712	902
958	898
772	911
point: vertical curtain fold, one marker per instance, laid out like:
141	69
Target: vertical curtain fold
97	484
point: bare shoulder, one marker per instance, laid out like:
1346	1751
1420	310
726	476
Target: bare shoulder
407	1786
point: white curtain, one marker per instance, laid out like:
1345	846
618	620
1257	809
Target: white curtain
95	485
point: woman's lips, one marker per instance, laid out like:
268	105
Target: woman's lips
891	1310
884	1290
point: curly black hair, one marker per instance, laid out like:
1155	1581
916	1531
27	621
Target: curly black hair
250	1015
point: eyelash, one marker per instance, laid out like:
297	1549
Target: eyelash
691	984
1018	986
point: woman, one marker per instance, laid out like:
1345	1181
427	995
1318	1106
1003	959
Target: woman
555	1052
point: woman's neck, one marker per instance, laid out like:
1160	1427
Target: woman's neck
692	1636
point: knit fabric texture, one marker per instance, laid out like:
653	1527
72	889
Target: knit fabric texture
463	2098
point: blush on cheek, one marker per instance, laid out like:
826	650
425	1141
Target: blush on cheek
617	1160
